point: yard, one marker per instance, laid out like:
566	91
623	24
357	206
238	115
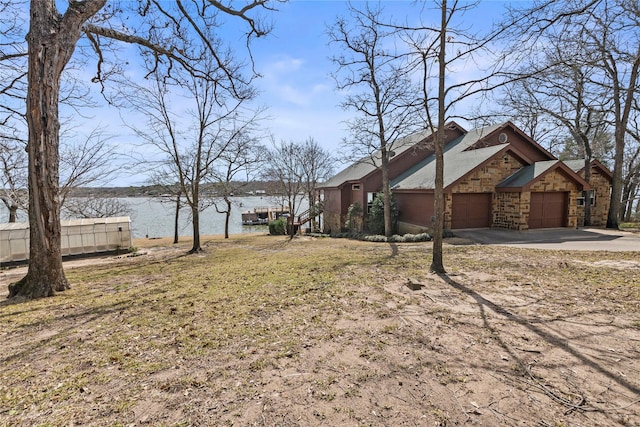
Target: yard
262	331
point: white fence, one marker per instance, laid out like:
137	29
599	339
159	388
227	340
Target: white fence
79	237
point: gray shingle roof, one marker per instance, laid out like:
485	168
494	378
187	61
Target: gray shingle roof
527	174
457	162
575	165
365	166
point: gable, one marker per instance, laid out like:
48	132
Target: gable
406	152
597	168
508	133
523	179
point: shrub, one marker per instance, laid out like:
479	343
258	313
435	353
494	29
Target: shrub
375	223
422	237
278	227
354	218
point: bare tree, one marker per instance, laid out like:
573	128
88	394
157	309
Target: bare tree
237	165
436	51
564	91
609	34
285	168
86	161
13	177
168	33
190	148
317	166
378	89
631	172
95	207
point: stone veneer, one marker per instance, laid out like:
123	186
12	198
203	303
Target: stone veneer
507	210
554	181
600	210
511	209
483	180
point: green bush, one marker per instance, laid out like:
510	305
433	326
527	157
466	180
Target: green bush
354	214
278	227
375	223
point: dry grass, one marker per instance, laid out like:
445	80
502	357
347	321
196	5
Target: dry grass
260	330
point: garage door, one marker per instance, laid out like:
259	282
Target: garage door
548	210
471	210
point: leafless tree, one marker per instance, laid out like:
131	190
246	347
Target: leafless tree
565	92
238	164
95	207
378	89
317	166
285	168
170	34
631	172
191	140
13	177
608	33
437	50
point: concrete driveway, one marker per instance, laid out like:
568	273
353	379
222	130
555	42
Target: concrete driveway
584	239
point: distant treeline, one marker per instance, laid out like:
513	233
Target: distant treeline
257	188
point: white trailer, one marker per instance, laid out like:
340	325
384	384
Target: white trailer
79	237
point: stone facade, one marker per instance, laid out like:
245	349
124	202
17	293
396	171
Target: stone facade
484	180
600	210
556	181
508	210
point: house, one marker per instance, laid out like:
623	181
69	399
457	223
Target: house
496	176
600	180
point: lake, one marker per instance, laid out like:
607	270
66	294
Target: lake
154	218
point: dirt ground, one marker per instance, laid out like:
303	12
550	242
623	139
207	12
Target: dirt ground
497	346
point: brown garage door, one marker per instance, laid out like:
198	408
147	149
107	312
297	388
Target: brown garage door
471	210
548	210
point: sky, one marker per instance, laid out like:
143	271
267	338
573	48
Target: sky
296	84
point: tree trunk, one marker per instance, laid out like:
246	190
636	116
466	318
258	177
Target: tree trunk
50	47
386	192
13	213
176	222
195	213
587	193
227	218
613	217
623	112
629	205
437	264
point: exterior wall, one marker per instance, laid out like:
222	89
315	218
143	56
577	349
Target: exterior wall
556	181
415	211
399	164
508	210
533	152
599	211
484	180
332	210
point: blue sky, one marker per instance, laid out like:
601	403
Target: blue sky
294	61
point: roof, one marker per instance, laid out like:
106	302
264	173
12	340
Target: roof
578	165
527	174
457	162
366	165
70	222
575	165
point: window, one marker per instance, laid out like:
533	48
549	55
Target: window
355	187
370	198
592	198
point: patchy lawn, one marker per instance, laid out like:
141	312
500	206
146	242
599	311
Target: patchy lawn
263	331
